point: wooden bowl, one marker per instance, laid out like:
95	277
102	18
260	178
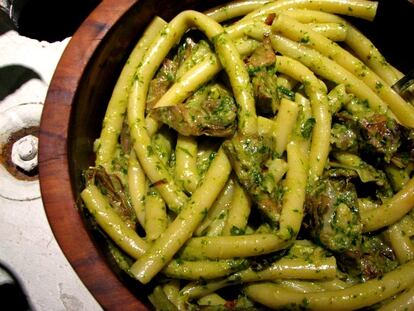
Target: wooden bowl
74	109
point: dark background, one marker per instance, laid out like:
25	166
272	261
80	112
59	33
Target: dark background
392	31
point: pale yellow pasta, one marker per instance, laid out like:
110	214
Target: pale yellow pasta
403	302
186	162
211	300
265	126
224	247
406	224
366	50
328	69
172	291
217	211
152	125
246	46
358	8
286	81
291	268
240	81
181	229
234	9
284	122
156	219
320	110
156	171
294	198
359	43
366	204
248	26
283	269
304	116
302	33
198	75
391	211
278	167
239	211
354	297
333	31
190	81
194	290
216	227
337	97
137	187
313	286
120	233
314	16
206	269
115	112
162	145
400	241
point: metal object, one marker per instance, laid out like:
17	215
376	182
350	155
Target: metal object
13	120
24	153
404	83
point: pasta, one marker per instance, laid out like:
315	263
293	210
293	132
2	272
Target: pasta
253	156
350	298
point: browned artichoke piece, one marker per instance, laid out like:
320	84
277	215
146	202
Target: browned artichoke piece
112	187
377	133
334	215
262	56
382	133
266	92
248	156
373	259
162	81
261	66
167	73
125	138
335	223
344	138
209	111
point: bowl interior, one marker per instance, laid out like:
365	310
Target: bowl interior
73	117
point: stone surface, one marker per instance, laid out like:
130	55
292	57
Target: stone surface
27	245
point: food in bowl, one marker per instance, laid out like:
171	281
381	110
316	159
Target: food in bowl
256	156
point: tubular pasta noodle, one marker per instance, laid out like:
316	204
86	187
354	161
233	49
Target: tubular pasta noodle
354	297
296	31
137	187
320	110
391	211
186	166
360	8
118	103
124	236
178	232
